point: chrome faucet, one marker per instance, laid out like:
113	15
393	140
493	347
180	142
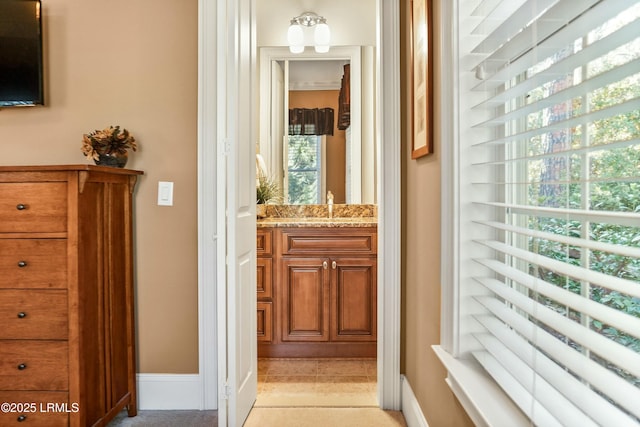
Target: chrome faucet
330	203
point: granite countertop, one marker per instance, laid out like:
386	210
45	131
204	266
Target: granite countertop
318	222
343	216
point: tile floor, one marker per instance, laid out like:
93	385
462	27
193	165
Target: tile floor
316	383
319	393
324	417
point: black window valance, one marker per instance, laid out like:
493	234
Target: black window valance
311	121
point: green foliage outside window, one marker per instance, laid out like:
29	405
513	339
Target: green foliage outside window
560	180
304	169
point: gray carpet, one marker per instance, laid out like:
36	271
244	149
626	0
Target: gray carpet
167	419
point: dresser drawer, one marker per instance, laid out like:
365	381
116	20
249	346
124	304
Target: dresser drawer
34	365
33	207
50	408
33	263
33	314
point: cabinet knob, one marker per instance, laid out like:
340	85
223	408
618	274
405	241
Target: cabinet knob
22	315
334	265
325	265
21	207
22	367
22	418
22	264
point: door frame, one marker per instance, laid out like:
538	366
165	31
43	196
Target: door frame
211	212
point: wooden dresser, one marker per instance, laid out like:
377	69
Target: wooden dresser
67	354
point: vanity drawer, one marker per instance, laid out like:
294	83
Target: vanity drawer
33	263
264	242
33	207
329	241
34	365
33	314
49	408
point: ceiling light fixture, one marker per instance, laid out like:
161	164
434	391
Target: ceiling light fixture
321	35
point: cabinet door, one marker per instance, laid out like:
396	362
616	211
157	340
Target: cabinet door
106	365
118	286
304	311
353	299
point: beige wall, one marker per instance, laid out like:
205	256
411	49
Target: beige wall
335	143
134	64
142	74
421	263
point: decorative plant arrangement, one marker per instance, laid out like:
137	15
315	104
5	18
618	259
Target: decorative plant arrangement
109	147
267	191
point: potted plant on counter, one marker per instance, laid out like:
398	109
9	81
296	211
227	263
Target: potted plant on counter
267	191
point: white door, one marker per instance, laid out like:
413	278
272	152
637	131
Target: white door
237	134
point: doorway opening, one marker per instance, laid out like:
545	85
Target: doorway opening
308	81
217	331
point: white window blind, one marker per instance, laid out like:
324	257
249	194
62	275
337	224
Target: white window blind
549	181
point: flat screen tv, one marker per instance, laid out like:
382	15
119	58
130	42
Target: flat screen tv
21	79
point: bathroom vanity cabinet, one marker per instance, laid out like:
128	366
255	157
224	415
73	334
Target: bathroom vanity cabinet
317	291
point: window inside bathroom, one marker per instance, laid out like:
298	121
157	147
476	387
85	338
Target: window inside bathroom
305	167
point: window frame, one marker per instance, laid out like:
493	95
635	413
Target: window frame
483	400
320	171
476	391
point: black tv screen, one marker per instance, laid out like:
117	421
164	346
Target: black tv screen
21	81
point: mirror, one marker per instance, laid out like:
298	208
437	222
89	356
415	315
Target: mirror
343	163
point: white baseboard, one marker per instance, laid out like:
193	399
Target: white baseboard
184	392
170	392
410	408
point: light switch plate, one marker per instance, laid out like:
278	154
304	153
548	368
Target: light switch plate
165	193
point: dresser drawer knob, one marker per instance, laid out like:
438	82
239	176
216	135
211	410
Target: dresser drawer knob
22	315
22	264
22	418
22	366
21	207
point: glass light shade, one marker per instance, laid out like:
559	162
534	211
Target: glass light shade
295	37
296	49
322	35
